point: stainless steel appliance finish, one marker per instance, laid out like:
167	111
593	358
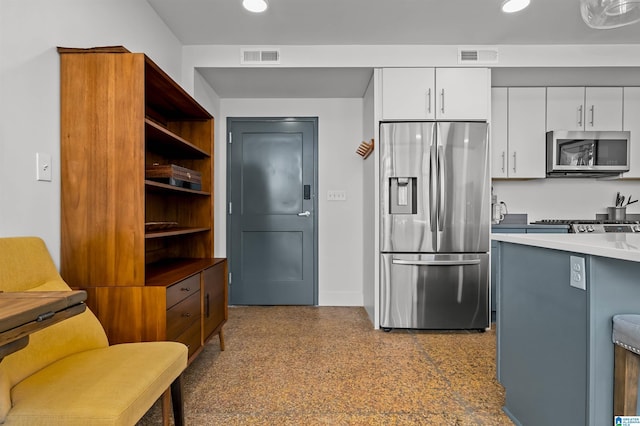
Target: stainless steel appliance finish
435	225
435	291
603	228
587	153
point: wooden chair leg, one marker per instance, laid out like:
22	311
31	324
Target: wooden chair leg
176	399
172	400
625	383
221	336
166	410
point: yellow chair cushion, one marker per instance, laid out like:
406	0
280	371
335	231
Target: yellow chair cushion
114	385
26	265
68	374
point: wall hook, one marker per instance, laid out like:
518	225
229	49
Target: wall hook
365	149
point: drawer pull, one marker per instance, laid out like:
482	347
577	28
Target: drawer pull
185	289
206	298
186	314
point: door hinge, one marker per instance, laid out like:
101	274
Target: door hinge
229	278
230	137
230	208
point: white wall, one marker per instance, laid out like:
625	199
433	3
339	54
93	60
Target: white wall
377	56
564	198
339	168
369	206
30	30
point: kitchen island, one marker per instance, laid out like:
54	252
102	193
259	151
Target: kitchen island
557	294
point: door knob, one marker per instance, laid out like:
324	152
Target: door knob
305	213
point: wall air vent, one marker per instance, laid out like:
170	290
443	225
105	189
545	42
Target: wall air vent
477	56
259	56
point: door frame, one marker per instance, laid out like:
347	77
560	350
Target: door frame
314	192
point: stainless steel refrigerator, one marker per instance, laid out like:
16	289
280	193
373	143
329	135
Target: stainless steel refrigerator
434	225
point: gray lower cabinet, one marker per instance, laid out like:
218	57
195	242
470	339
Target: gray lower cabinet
495	252
543	338
554	351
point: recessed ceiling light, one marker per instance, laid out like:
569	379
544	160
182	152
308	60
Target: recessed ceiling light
510	6
256	6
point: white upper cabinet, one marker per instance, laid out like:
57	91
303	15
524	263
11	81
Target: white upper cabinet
580	108
463	93
408	93
518	132
631	123
603	108
435	93
498	132
526	133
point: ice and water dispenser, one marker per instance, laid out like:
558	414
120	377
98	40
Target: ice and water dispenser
403	193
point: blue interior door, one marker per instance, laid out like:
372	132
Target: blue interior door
272	211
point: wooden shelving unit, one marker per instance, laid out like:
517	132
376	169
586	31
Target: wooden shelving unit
120	113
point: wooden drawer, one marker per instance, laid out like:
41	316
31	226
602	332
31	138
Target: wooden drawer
182	290
180	316
191	338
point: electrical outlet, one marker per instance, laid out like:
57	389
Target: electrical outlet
43	164
578	277
337	195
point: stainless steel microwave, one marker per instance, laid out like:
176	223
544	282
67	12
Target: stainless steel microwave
587	154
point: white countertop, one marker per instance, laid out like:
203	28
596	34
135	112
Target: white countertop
625	246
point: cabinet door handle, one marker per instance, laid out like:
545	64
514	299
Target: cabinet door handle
206	304
514	162
503	160
592	114
580	116
429	100
442	101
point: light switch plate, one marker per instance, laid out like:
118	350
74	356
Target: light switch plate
43	164
578	277
337	195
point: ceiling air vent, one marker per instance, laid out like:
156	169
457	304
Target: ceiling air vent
259	56
477	56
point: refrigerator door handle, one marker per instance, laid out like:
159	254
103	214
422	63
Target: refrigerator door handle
436	262
433	189
440	190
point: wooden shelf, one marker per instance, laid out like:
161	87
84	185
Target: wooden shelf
166	97
159	186
164	141
172	232
171	271
131	241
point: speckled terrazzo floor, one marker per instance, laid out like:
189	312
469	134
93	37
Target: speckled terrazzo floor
294	365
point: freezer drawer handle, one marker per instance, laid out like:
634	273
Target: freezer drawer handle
436	262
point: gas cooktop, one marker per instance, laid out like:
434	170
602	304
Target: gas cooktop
594	226
584	222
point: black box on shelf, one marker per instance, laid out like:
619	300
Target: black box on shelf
175	175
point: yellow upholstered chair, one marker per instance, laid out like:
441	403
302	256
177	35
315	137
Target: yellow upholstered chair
68	374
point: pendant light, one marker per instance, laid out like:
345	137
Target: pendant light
255	6
603	14
511	6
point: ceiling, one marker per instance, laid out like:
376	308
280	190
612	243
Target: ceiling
365	22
